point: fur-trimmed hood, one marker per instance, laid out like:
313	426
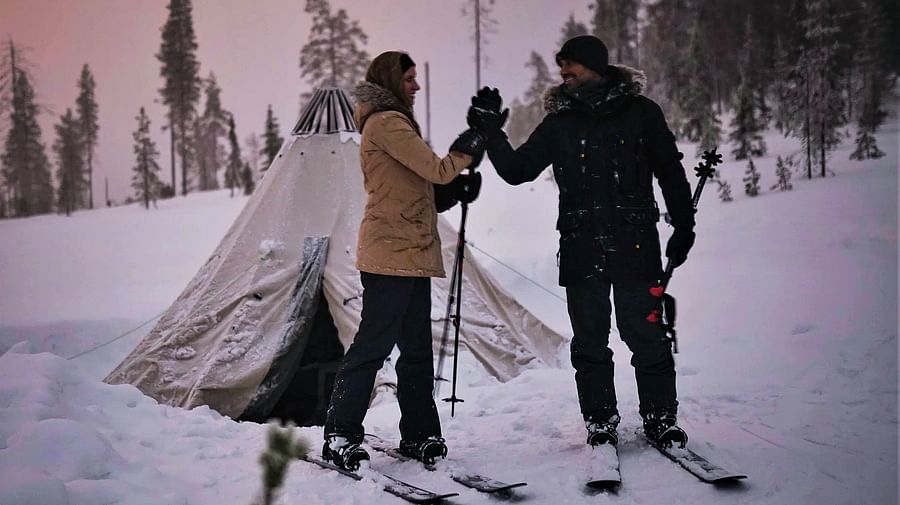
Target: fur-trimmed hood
626	81
372	98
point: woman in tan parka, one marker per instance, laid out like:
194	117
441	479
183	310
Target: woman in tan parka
399	250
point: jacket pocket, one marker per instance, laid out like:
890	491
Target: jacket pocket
577	257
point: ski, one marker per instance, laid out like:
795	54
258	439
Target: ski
474	481
604	467
697	465
391	485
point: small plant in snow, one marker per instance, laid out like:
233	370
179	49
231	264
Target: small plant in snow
282	449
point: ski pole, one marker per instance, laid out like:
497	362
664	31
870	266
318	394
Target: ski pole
666	314
457	321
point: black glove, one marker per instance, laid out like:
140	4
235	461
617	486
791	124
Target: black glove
466	187
488	99
679	245
486	116
470	142
444	197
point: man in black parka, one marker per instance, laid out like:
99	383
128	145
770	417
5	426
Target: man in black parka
606	143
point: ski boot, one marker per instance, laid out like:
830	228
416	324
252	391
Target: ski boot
603	432
343	453
661	429
427	451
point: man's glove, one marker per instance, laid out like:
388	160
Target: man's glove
679	245
466	187
470	142
486	114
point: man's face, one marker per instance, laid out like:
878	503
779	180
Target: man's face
575	74
410	86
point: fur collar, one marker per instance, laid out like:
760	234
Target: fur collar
626	81
372	98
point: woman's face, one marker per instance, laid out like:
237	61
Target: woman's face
410	86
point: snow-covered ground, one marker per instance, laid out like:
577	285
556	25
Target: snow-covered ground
787	372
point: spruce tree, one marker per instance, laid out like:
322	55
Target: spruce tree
571	29
272	139
334	54
526	114
145	181
247	179
70	170
26	168
181	91
819	91
748	124
252	152
701	124
783	175
616	23
235	164
874	83
211	132
665	61
724	188
751	179
88	125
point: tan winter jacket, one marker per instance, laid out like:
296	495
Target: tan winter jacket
398	234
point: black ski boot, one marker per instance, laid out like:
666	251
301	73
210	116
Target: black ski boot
603	432
343	453
660	428
427	451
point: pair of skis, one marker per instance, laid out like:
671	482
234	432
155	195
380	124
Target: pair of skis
415	494
605	466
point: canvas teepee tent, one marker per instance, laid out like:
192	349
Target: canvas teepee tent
260	329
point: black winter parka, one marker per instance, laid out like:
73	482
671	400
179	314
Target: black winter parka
605	149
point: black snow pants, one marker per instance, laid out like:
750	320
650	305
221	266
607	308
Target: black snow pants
654	367
396	310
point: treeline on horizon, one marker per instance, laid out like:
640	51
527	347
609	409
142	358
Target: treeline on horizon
809	68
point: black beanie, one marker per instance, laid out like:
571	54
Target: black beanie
406	62
587	50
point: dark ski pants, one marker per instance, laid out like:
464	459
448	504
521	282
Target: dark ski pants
396	310
654	367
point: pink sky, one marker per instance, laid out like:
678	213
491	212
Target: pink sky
253	48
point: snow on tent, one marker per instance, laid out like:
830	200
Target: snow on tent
259	331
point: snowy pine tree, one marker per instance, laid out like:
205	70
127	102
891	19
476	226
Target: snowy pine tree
701	124
88	125
751	179
526	114
70	164
212	128
181	90
821	94
748	123
247	179
252	153
26	168
616	23
783	175
571	29
667	21
145	180
874	83
334	54
272	139
724	189
235	165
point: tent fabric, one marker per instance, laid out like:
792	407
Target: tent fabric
218	342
